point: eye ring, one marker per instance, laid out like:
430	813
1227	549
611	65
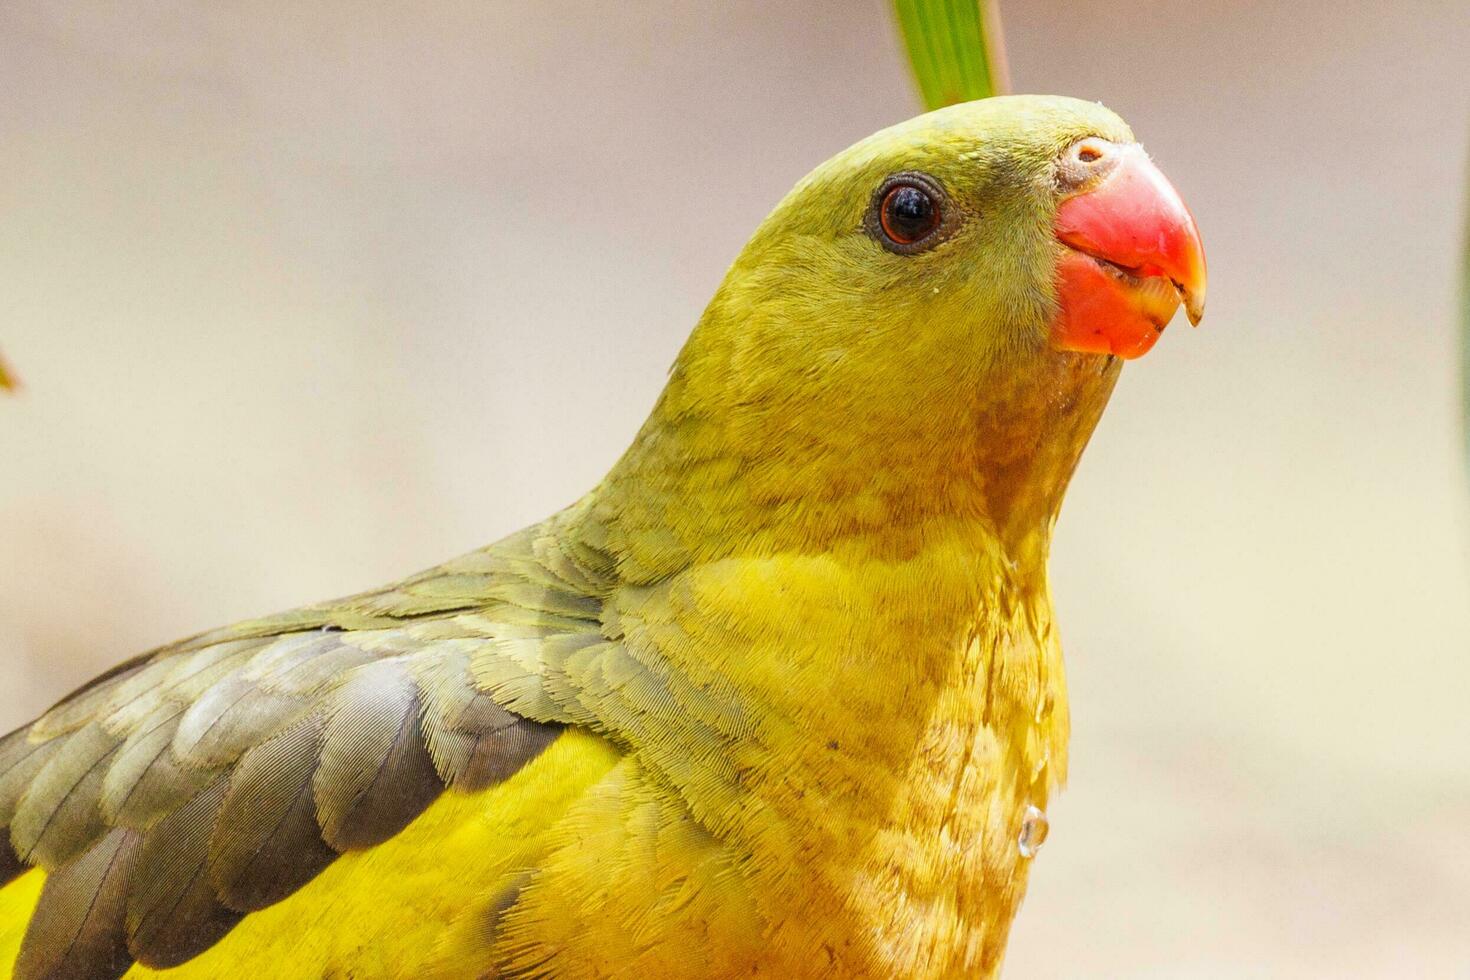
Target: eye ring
910	213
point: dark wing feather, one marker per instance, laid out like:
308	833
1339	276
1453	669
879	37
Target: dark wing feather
473	741
58	816
79	922
230	717
267	842
173	911
147	781
196	784
375	773
21	759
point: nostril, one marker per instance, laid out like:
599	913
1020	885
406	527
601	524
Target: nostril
1089	151
1085	162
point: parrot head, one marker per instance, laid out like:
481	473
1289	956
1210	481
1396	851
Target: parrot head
1028	220
930	322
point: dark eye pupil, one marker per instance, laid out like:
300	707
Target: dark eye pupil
909	213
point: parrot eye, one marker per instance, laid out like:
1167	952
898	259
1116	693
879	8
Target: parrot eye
908	213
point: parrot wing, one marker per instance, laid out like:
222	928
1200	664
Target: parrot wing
192	785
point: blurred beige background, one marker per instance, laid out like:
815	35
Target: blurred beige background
309	296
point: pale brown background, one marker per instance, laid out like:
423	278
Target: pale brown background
311	295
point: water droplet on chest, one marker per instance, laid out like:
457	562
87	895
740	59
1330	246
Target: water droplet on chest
1033	833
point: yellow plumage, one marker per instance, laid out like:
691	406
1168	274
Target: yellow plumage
794	659
383	911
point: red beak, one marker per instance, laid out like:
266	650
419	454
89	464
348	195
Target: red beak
1135	253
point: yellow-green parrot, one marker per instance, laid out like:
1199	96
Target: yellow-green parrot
781	696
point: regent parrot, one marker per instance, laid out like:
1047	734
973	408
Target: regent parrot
780	696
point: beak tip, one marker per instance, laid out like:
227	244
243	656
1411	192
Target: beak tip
1192	301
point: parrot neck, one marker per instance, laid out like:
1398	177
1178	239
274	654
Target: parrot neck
1031	431
700	483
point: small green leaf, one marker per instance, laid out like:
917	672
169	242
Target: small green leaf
955	47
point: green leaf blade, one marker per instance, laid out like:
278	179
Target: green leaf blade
955	48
